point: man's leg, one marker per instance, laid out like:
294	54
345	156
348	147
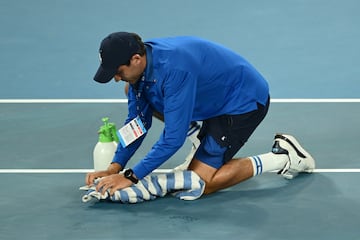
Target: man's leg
231	173
221	138
287	155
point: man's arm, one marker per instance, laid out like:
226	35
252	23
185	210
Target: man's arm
179	98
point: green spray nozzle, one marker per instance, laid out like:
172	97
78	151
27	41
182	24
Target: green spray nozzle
107	132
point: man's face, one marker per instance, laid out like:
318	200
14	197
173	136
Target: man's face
132	72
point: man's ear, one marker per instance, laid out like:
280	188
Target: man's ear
135	59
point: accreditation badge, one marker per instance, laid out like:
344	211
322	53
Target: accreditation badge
131	131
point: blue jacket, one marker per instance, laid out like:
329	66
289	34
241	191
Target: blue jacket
188	79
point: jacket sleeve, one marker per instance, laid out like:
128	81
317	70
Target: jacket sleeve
179	89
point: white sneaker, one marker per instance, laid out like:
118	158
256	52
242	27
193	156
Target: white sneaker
192	136
299	159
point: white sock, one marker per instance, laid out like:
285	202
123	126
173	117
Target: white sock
192	133
268	162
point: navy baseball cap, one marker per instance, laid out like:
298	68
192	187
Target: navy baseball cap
115	50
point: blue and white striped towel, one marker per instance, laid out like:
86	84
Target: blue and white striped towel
185	185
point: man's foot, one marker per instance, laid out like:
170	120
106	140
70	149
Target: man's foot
299	159
192	136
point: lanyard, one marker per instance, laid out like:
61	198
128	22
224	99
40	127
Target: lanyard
143	108
140	108
140	87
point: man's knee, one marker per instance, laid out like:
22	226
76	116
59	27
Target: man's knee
204	171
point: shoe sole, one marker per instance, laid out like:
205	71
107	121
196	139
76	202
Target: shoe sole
300	151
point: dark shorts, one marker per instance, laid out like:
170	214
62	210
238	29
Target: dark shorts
222	137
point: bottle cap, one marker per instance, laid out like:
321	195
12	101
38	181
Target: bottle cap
105	131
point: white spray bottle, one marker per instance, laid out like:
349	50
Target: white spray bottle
105	148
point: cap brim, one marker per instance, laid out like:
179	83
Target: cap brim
103	76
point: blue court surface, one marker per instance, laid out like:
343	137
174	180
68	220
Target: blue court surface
51	109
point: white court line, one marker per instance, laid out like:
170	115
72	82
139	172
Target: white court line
281	100
63	100
315	100
63	170
326	170
275	100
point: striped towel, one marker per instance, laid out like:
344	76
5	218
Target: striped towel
184	185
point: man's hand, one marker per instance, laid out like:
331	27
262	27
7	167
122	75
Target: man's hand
90	177
112	169
113	183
